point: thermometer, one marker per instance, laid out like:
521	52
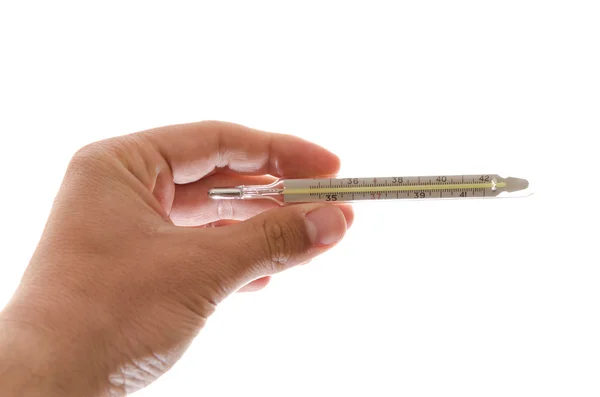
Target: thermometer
345	190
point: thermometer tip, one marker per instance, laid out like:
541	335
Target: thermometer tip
225	193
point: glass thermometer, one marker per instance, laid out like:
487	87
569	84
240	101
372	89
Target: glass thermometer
344	190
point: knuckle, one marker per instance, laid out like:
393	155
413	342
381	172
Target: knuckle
283	240
87	160
107	154
90	157
88	152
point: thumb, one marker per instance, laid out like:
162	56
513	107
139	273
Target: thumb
278	239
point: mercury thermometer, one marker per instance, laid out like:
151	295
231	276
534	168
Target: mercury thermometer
345	190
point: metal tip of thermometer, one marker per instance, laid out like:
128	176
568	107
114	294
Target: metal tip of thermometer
343	190
225	193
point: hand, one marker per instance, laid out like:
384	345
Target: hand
127	270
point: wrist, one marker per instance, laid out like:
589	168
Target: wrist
33	362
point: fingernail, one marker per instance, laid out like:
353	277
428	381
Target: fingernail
326	225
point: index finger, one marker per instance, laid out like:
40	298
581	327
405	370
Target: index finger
197	149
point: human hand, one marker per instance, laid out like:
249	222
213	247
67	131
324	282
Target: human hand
128	270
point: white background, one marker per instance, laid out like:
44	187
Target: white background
465	298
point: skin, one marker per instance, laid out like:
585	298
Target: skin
135	257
